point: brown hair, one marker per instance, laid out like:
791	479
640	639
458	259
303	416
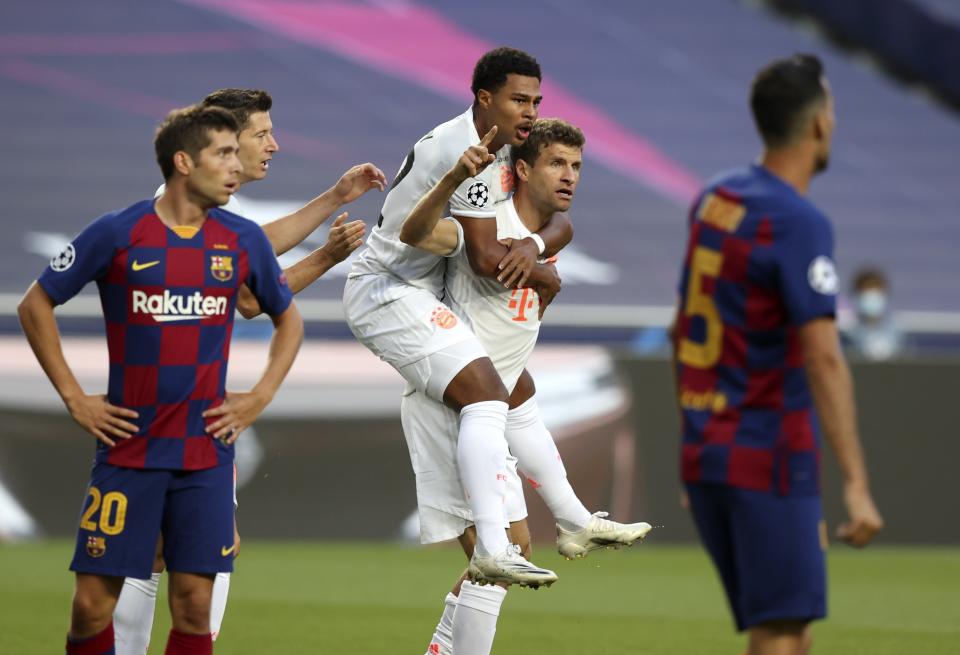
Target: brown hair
546	132
188	129
240	102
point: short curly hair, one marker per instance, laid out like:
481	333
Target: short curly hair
546	132
492	69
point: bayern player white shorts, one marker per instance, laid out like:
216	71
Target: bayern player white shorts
431	430
414	332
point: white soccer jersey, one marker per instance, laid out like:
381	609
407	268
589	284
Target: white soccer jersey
505	321
427	163
232	206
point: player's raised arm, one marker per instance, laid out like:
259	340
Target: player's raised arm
287	232
342	240
831	386
423	228
94	414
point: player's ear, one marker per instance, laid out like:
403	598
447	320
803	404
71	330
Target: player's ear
523	170
183	162
484	98
821	123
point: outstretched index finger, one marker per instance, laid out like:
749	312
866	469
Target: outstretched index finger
488	137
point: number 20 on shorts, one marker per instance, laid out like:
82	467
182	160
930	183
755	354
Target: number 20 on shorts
113	512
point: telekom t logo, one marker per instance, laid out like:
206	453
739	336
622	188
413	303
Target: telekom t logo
521	304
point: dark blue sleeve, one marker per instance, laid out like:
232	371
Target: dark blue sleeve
691	219
83	260
265	279
808	276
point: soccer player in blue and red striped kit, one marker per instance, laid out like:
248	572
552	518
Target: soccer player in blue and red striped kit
759	371
168	272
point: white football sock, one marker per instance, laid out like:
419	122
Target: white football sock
442	641
475	621
218	602
133	616
482	460
531	443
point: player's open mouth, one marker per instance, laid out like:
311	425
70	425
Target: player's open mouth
566	194
233	186
265	164
523	132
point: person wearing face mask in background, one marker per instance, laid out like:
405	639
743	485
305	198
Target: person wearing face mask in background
875	335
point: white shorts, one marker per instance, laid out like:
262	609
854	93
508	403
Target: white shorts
403	325
431	430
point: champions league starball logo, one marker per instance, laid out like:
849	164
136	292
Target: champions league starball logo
822	276
478	194
64	259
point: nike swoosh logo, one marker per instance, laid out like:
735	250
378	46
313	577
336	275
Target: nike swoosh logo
224	551
137	266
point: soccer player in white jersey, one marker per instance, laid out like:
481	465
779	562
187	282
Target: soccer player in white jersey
392	297
507	322
133	616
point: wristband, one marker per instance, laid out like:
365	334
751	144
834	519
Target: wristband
537	239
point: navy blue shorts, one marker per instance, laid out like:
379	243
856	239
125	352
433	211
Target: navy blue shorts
125	511
768	549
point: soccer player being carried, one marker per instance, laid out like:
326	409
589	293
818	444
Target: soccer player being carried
758	362
168	271
505	316
133	618
393	305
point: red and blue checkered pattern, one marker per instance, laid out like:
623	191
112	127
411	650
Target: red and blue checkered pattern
748	419
168	303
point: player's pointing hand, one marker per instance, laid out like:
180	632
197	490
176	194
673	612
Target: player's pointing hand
100	418
475	159
357	181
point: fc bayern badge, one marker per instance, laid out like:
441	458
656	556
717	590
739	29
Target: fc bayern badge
478	194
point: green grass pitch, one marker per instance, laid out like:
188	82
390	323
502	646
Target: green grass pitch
384	598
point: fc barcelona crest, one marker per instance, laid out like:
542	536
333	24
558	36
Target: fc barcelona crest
96	546
221	267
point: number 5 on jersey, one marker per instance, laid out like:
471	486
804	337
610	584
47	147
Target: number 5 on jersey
704	263
113	512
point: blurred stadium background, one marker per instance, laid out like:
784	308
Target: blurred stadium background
660	91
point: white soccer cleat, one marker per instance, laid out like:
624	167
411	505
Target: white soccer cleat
599	532
509	567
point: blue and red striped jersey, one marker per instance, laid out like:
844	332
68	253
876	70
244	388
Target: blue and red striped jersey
168	303
758	266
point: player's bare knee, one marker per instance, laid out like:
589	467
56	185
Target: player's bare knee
90	613
190	611
477	382
523	390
